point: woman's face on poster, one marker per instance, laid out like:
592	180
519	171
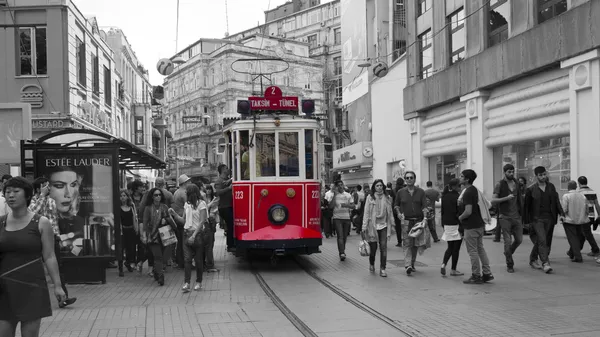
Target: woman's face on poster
64	189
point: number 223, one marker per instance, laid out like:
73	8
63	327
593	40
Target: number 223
239	194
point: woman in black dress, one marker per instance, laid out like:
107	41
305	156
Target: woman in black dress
26	241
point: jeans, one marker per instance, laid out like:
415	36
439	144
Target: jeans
511	227
197	254
342	227
226	215
129	245
408	244
431	225
479	259
209	257
326	222
453	251
587	235
382	236
574	235
178	247
539	231
161	255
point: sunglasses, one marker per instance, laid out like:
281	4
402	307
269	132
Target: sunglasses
409	178
157	195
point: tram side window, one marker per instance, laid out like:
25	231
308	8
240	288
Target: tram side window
265	154
308	140
288	154
234	172
245	154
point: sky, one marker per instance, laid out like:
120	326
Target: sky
150	25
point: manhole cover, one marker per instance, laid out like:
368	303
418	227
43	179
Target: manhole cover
400	263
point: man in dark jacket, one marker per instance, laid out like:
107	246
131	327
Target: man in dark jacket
542	208
507	196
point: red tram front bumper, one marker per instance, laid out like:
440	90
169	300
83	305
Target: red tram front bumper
282	239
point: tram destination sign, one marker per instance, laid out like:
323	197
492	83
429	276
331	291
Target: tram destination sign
274	100
274	103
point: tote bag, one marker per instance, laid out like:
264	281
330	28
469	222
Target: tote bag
167	235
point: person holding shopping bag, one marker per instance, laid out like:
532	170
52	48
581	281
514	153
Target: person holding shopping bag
378	224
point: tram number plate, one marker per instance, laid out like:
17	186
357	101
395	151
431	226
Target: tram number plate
239	194
316	194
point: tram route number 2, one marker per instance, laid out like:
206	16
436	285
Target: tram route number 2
239	195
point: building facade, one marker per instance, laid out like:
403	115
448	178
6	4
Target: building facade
73	82
315	25
373	36
208	85
505	81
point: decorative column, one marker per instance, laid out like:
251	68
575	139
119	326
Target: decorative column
417	162
584	101
479	157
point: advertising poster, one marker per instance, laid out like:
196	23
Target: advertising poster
355	80
81	184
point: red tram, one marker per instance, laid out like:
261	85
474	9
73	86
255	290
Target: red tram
276	190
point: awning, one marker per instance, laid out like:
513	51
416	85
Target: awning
168	134
155	133
130	155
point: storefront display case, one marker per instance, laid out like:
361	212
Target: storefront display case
83	168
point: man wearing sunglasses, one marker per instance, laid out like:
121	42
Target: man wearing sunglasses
410	207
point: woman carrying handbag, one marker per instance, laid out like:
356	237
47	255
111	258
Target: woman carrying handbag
156	216
378	224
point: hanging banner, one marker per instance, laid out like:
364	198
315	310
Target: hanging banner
81	184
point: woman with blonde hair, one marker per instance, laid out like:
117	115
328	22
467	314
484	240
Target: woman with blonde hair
378	224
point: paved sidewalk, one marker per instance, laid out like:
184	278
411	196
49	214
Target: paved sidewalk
231	304
526	303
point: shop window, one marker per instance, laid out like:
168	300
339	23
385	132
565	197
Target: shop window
553	153
425	54
423	6
288	154
547	9
265	154
447	167
309	153
456	22
498	21
32	51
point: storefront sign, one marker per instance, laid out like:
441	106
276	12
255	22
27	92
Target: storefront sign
81	184
354	155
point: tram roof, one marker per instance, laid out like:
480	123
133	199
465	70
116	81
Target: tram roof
267	121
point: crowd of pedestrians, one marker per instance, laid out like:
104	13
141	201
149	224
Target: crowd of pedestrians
409	211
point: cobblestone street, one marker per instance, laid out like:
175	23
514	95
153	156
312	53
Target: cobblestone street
526	303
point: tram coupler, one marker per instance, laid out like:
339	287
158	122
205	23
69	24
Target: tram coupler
279	252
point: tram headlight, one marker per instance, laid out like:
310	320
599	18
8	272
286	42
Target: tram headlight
278	214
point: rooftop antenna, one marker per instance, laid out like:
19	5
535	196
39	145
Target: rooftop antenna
177	29
226	20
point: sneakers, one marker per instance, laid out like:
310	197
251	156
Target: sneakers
474	279
547	268
212	270
372	268
535	265
198	287
456	273
598	260
382	273
443	269
66	302
409	271
161	280
510	269
342	257
487	277
592	254
186	288
140	267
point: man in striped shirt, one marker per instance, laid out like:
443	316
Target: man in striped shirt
592	204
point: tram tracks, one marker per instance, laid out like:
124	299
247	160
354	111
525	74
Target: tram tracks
300	325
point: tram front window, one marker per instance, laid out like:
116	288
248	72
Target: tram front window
288	154
265	154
